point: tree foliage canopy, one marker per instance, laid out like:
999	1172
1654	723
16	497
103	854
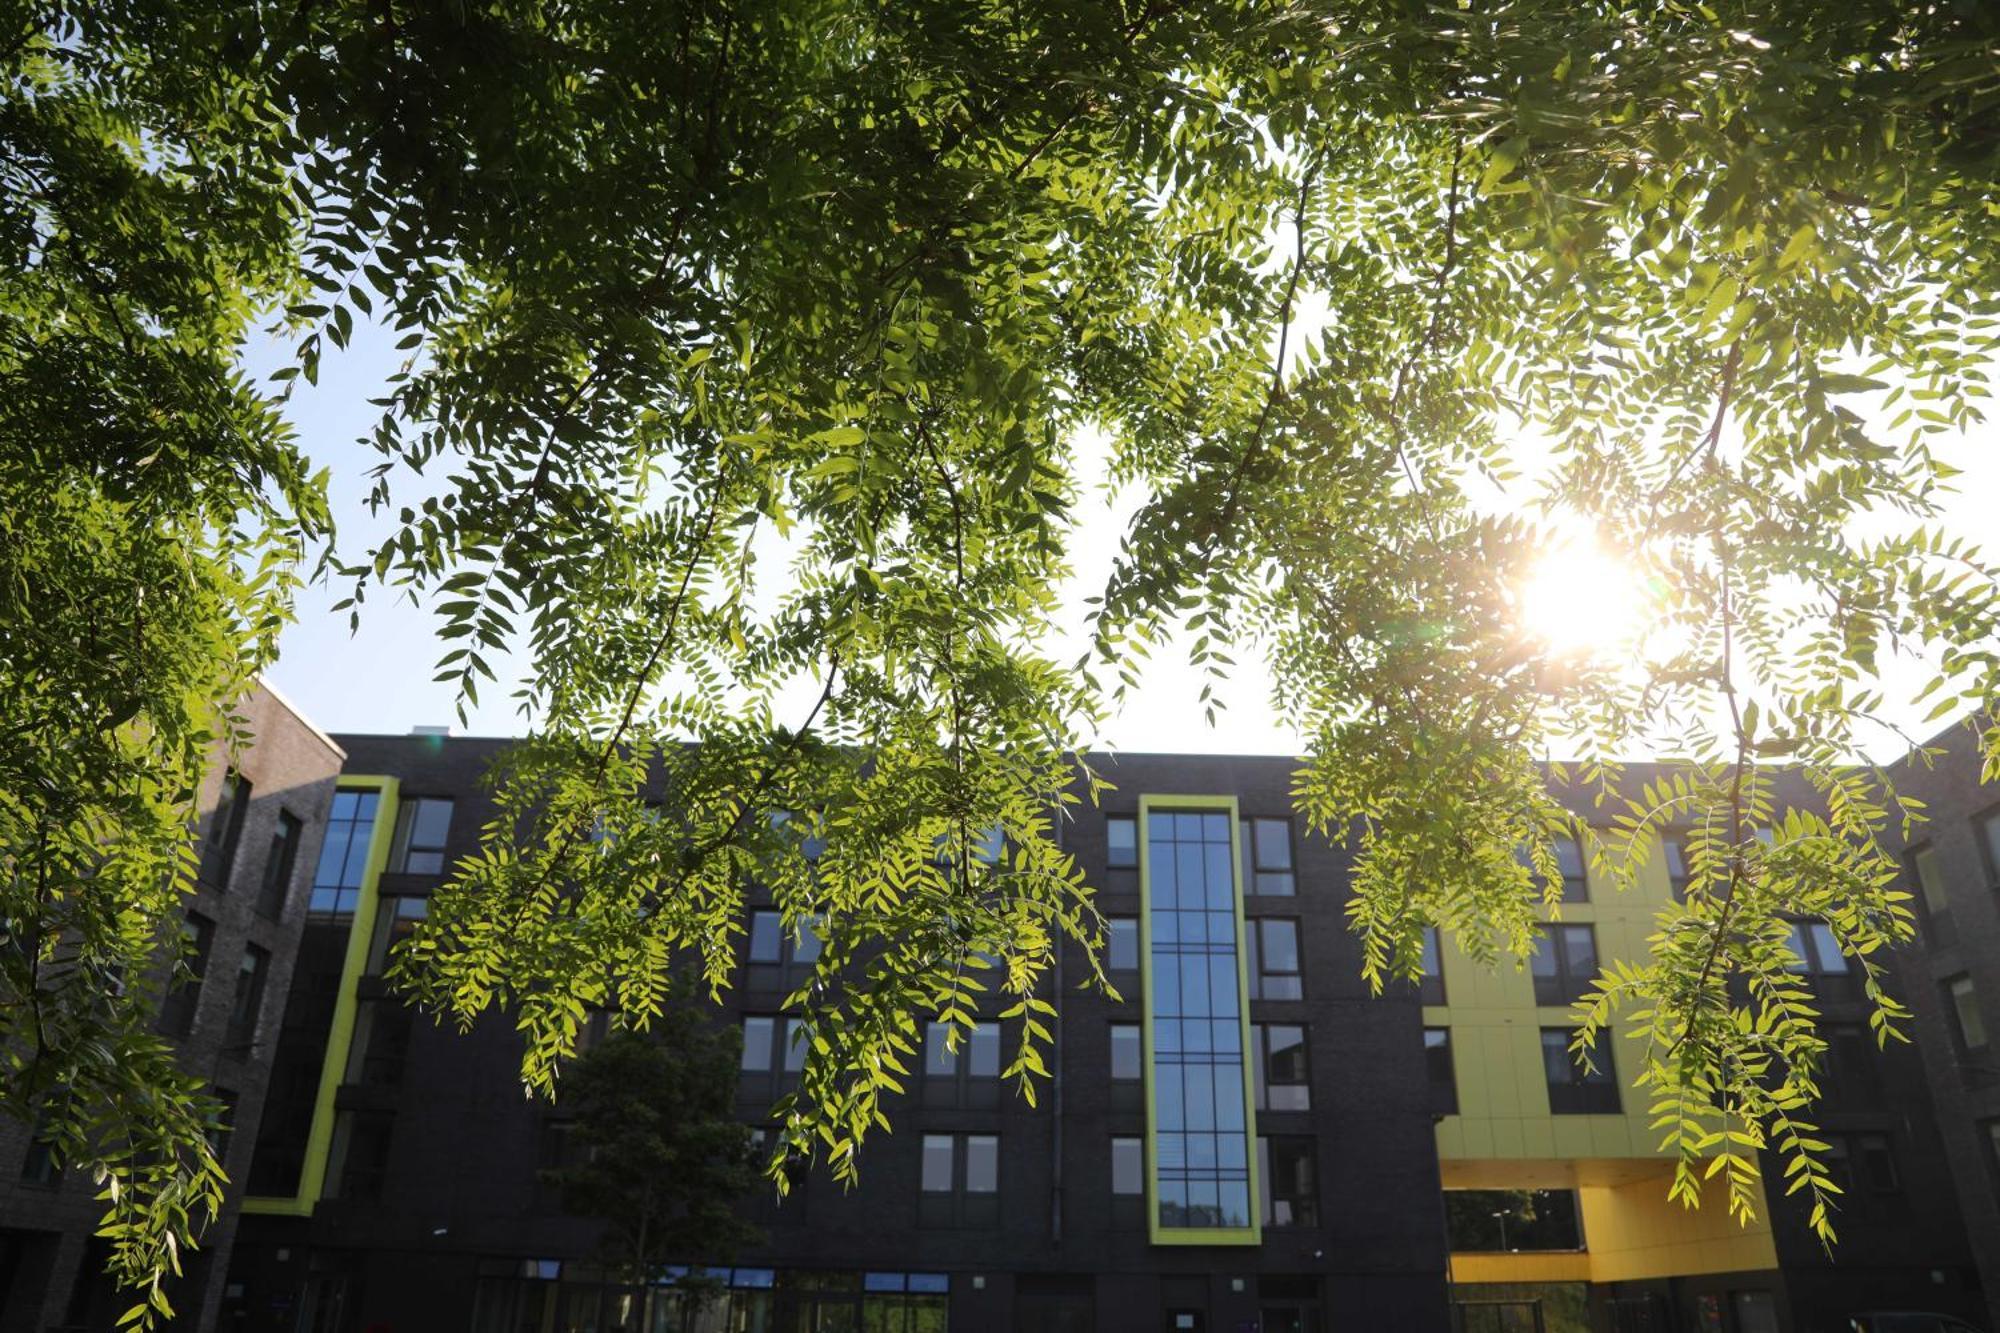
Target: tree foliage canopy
693	289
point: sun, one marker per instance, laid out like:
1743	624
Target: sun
1580	600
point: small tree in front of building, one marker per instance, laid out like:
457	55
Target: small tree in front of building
655	1152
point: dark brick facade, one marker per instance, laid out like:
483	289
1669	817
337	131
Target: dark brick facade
53	1280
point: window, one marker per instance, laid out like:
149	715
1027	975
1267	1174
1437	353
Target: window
779	958
1126	1060
772	1058
1122	945
1430	990
40	1166
1121	842
1200	1088
1992	1137
1267	855
1931	894
382	1031
359	1160
1278	1053
1563	964
421	825
962	1068
1128	1166
894	1303
1291	1194
1512	1221
1962	1002
225	830
343	856
395	921
1573	1090
1128	1183
961	1180
1847	1075
1989	837
1821	961
1274	959
183	996
1874	1163
279	862
1576	881
246	1005
1442	1074
1674	852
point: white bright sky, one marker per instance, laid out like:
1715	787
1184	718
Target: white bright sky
379	678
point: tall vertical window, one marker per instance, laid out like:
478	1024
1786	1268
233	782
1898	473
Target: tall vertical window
1439	1071
1267	851
1968	1022
1574	1090
1563	964
343	856
1275	973
1200	1112
1932	894
1820	959
246	1004
1291	1198
1121	842
1989	838
1430	990
1576	878
1122	944
774	1051
395	921
1128	1182
183	996
279	862
1673	850
225	830
358	1162
422	823
1284	1079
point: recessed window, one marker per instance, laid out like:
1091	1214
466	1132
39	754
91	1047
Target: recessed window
1128	1183
1574	1090
40	1166
1280	1064
422	823
1290	1170
1847	1075
396	919
223	1124
1440	1073
246	1004
1932	894
774	1051
1122	944
183	998
960	1185
1126	1061
225	830
1275	973
1121	842
1576	879
1563	964
1267	852
280	859
1968	1022
1820	959
1989	837
381	1048
778	957
343	854
962	1068
1430	988
1674	852
358	1163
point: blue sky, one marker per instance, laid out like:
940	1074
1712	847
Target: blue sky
378	679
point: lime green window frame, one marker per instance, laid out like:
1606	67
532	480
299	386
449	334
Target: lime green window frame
340	1035
1199	1157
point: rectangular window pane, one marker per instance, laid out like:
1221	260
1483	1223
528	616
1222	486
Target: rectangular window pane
766	937
982	1164
225	830
1125	1053
247	1004
937	1171
1128	1167
422	822
1122	952
1121	842
795	1045
1273	841
1431	989
757	1044
1442	1074
983	1055
1576	883
1964	1003
1990	829
280	860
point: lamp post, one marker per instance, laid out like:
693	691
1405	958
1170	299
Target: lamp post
1501	1218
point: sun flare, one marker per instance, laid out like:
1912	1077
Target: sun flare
1581	601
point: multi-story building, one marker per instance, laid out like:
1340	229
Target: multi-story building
1248	1141
261	815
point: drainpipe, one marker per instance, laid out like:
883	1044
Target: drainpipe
1056	1091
